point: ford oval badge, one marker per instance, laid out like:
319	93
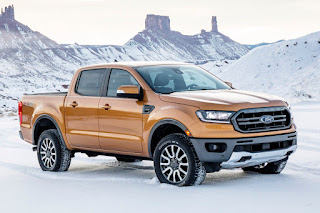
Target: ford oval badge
266	119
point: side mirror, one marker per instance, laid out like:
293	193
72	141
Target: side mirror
130	91
229	84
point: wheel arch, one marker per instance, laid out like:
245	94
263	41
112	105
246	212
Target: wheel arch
49	123
152	139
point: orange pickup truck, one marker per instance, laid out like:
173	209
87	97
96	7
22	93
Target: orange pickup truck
182	117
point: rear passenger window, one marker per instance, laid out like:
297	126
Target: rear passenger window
90	82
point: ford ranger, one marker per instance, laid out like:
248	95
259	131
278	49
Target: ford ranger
185	119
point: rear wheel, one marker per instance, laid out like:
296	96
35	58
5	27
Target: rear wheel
176	162
270	168
53	155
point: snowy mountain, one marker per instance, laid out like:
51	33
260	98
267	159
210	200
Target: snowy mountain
31	62
290	69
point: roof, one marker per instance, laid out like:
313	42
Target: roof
138	63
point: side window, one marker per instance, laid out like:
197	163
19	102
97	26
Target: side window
119	78
90	82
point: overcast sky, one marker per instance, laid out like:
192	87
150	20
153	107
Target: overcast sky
116	21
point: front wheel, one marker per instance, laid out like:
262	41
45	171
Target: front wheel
176	162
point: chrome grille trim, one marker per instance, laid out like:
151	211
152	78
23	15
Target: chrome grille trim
248	120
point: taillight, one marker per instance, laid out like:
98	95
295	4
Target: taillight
20	111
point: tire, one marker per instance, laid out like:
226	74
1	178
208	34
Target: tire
270	168
176	162
53	155
127	160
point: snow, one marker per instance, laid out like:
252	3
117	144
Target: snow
217	67
290	69
102	184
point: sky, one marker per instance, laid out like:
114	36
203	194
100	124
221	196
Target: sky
116	21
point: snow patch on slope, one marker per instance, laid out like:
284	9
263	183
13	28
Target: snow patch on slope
290	69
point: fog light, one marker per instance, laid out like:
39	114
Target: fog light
213	147
216	147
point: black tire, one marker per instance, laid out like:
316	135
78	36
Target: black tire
62	154
196	172
270	168
127	160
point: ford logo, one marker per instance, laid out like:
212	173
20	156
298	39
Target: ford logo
266	119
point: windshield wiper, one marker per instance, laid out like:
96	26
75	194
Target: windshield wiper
186	90
199	89
167	92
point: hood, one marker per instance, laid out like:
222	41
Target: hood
227	100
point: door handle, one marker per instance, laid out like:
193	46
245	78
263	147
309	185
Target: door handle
106	107
74	104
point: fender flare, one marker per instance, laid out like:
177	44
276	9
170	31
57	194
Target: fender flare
46	116
159	123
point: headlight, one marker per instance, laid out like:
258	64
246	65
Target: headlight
214	116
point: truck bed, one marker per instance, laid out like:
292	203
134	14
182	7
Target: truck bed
34	105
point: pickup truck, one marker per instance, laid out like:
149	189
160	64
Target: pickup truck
183	118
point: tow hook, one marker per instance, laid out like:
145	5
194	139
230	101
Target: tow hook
244	158
289	153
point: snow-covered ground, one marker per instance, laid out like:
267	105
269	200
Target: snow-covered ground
102	184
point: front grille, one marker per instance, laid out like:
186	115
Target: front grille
263	146
249	120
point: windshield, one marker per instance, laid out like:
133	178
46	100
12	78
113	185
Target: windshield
179	78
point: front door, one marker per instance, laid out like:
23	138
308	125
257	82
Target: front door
120	119
81	106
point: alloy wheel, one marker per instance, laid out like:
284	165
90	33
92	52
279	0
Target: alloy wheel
174	163
48	153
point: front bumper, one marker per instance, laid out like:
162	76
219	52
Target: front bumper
254	159
232	157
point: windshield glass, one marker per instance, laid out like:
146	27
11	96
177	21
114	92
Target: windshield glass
179	78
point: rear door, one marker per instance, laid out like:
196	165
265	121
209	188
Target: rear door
120	119
81	109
